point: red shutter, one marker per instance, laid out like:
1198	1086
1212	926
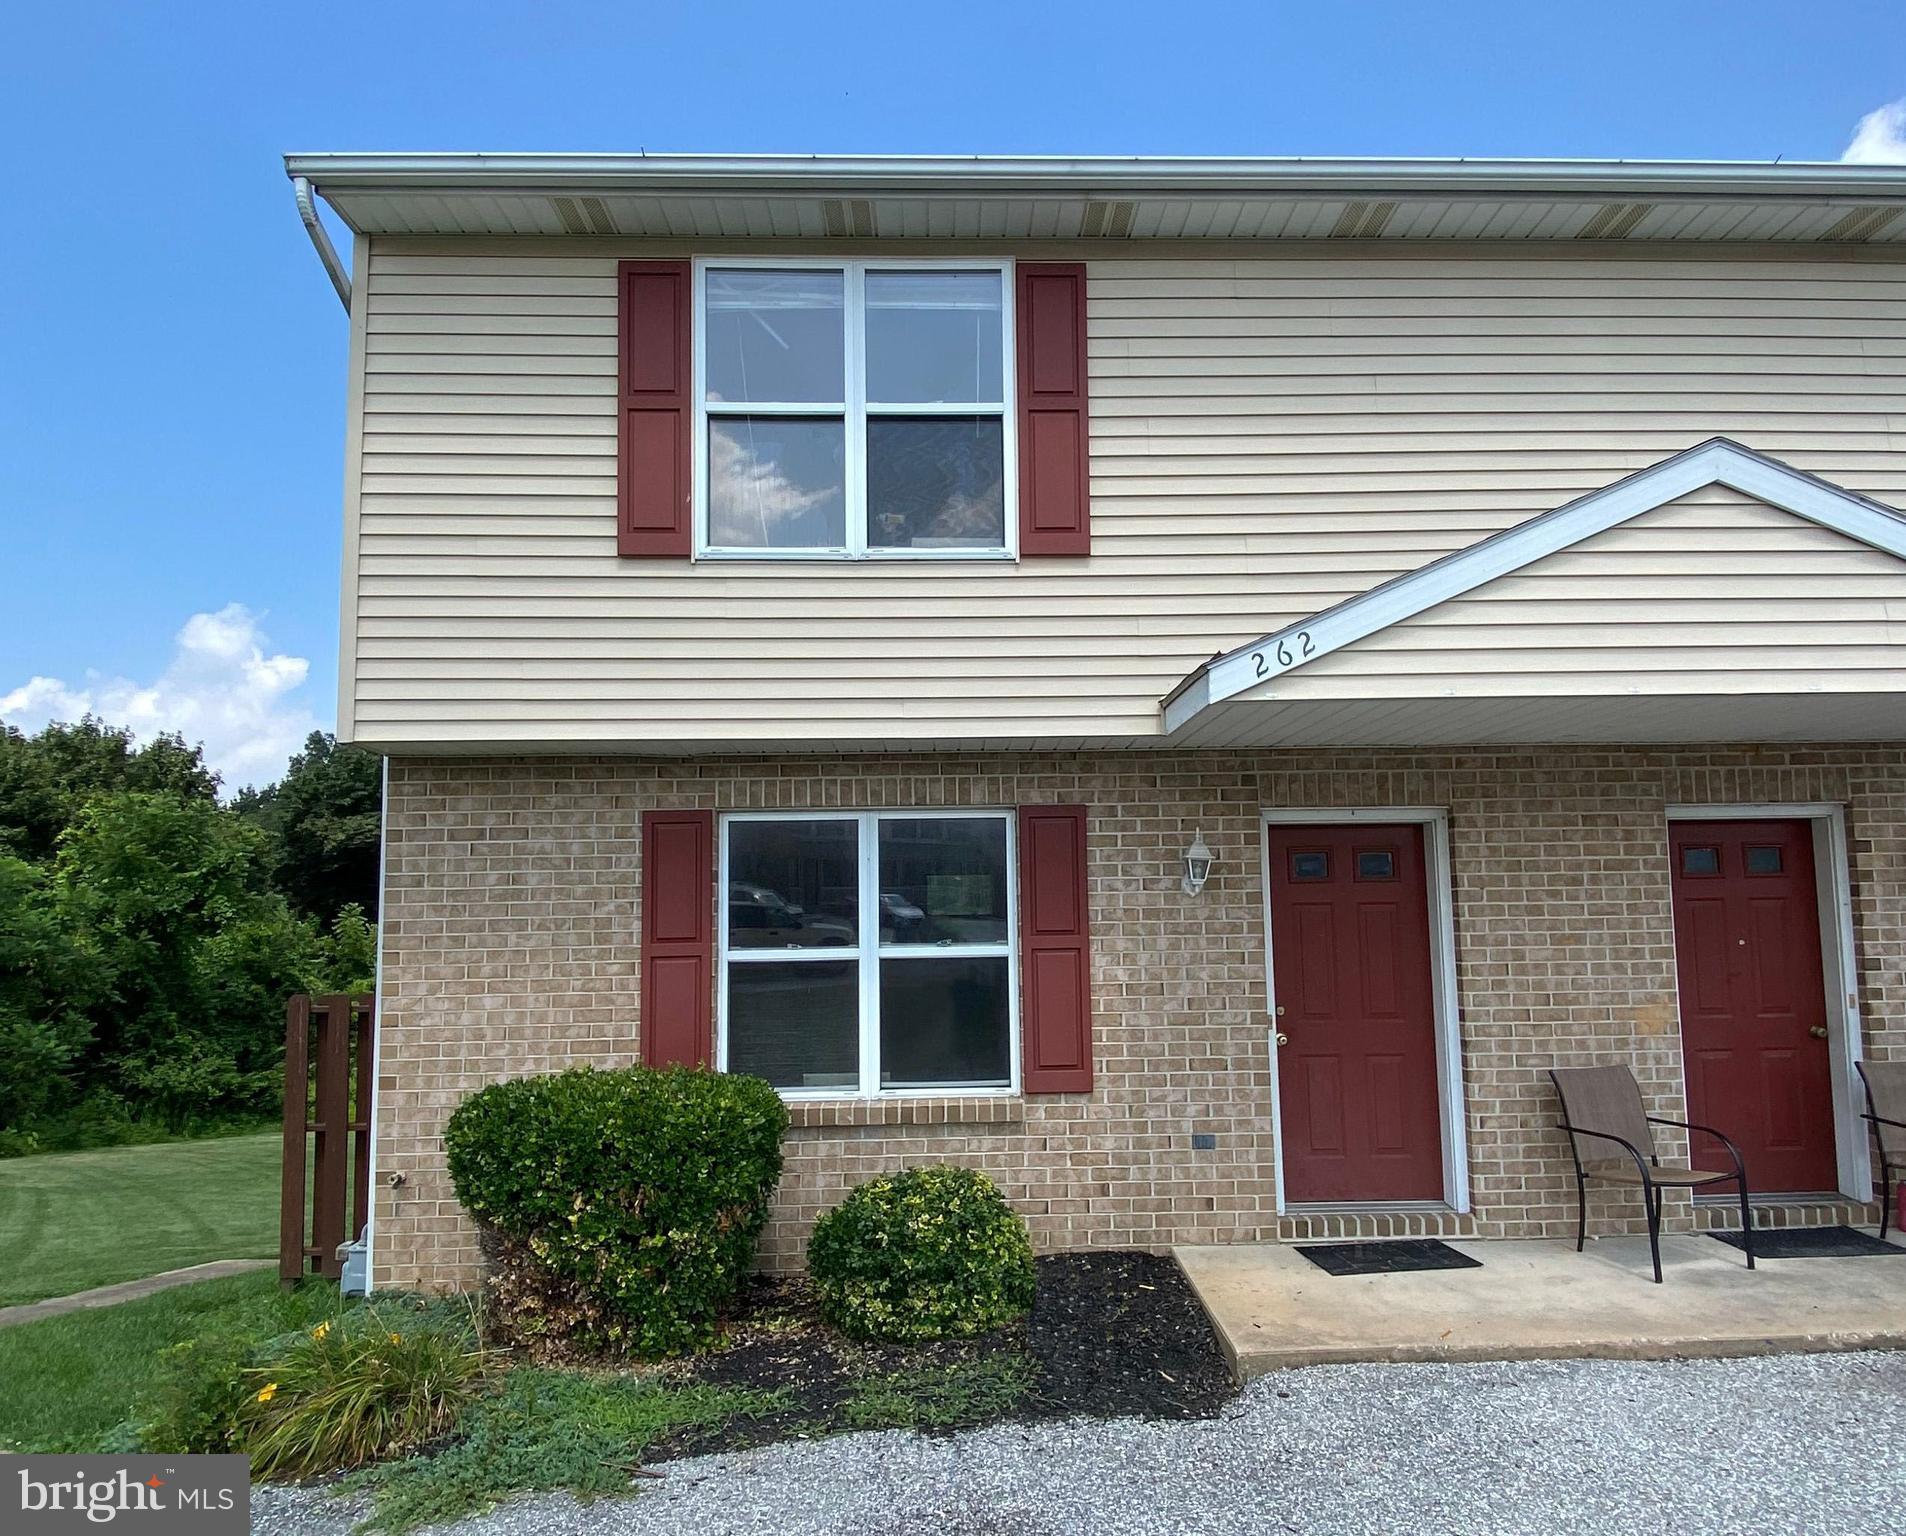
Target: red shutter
1055	953
1054	507
654	478
678	936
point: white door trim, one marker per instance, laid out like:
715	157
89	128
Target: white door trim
1443	993
1839	966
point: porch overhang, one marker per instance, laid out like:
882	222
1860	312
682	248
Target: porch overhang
1304	685
1637	720
1114	200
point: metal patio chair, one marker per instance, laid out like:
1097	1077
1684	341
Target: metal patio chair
1886	1112
1604	1104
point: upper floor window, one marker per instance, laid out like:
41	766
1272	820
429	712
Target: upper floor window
854	408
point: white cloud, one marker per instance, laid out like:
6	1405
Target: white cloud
221	687
1880	138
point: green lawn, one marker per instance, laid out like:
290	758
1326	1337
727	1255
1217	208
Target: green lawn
73	1220
70	1383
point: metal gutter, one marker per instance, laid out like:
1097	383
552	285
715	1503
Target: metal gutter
321	238
1094	174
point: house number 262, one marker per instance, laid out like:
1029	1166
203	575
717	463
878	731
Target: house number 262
1306	648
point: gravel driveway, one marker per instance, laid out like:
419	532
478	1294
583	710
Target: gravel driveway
1784	1444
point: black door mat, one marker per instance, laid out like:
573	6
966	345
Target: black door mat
1811	1243
1386	1258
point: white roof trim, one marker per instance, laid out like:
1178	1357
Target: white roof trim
1719	461
1111	173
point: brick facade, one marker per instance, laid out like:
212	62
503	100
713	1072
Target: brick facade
511	920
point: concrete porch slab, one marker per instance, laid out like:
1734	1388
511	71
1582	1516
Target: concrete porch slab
1272	1308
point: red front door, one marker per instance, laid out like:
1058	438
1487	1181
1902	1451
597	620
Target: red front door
1753	1001
1350	967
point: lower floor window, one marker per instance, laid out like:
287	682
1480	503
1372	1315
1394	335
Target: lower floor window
869	952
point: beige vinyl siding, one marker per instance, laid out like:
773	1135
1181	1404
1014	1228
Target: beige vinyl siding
1713	593
1269	436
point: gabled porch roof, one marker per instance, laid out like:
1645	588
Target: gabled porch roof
1300	685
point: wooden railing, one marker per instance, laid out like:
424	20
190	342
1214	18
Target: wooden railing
330	1069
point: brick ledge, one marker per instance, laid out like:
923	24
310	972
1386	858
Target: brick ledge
804	1113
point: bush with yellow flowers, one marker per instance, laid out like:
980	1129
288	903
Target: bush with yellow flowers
366	1384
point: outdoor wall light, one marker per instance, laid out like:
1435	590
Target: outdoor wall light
1197	865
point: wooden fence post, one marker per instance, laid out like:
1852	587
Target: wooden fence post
291	1254
364	1013
333	1131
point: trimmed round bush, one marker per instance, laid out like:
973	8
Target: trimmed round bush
620	1208
931	1253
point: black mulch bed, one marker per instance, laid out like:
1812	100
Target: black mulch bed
1110	1335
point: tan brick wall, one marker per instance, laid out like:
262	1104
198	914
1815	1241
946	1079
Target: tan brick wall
511	947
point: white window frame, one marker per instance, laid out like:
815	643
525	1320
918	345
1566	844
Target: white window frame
871	951
855	410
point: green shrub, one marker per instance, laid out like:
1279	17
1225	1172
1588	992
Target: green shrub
198	1397
622	1207
932	1253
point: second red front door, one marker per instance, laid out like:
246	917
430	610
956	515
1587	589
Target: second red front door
1351	974
1753	999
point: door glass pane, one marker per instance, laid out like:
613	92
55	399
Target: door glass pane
796	1023
944	1023
943	880
793	884
936	482
1375	864
1310	865
1763	861
1700	861
776	336
776	482
933	338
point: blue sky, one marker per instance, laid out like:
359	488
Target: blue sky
171	357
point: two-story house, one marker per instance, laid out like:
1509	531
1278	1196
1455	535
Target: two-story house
1186	684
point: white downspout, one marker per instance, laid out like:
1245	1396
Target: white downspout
321	238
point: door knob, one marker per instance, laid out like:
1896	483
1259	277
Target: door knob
1281	1038
1818	1031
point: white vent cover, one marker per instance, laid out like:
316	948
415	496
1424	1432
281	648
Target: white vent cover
1860	224
1107	221
1614	221
1362	221
584	215
847	216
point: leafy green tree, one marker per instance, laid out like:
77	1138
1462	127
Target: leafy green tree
347	955
199	955
325	820
47	982
46	778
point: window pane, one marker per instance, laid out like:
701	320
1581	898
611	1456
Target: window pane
1375	864
1700	861
776	336
936	482
943	880
796	1024
1763	861
793	884
1310	866
944	1023
776	482
933	337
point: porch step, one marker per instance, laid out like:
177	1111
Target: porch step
1535	1299
1787	1211
1322	1224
